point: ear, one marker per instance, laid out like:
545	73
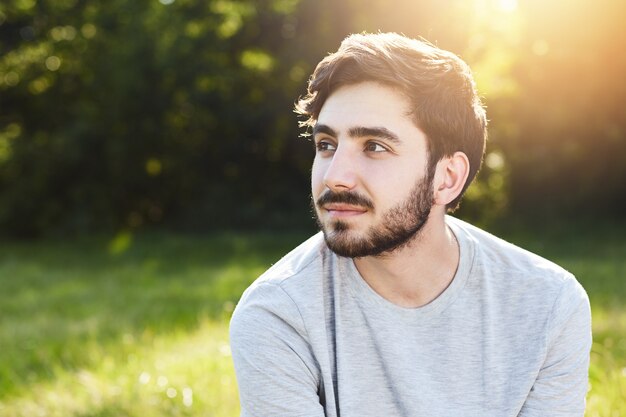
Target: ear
450	177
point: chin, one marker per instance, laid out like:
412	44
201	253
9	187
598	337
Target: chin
345	242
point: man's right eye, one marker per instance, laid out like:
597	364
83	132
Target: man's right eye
324	146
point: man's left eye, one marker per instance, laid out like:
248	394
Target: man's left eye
375	147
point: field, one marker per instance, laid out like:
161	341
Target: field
138	325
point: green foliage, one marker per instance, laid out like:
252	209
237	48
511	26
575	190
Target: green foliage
137	325
124	113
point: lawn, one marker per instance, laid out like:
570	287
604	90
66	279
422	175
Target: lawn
138	325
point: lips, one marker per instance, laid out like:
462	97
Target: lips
343	210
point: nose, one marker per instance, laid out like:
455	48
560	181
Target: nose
341	172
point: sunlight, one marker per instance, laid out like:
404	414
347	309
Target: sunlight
508	6
495	8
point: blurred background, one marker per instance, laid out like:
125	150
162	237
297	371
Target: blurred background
178	113
151	167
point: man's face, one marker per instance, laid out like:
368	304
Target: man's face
370	189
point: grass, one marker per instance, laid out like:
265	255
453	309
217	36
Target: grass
138	326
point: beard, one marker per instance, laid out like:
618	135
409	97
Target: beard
398	226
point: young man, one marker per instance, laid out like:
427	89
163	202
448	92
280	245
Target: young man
397	309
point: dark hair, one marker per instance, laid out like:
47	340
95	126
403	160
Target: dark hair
438	84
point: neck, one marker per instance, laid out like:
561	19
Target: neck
416	273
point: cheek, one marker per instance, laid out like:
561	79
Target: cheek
392	185
317	177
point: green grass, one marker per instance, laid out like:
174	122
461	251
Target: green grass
138	326
127	327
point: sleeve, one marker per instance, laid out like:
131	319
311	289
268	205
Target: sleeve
561	386
276	371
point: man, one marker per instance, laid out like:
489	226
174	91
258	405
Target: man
398	309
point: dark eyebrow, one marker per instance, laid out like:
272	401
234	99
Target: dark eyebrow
319	128
376	132
358	132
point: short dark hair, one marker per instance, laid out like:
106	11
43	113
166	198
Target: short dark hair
438	84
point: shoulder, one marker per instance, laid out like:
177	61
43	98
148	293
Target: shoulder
517	274
496	254
293	273
279	293
296	263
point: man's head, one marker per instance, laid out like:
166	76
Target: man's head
438	84
398	128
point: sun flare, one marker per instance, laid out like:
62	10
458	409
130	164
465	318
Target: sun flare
507	5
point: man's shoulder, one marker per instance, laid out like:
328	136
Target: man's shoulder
496	252
513	267
291	277
520	280
296	263
284	294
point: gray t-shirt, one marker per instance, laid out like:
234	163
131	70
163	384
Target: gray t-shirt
509	336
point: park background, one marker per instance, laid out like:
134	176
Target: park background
151	167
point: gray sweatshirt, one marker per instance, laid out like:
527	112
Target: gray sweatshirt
510	336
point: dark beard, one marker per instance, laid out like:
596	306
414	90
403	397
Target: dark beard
398	226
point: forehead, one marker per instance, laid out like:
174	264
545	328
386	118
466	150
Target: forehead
366	103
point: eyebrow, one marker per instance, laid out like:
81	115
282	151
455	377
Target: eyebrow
376	132
319	128
358	132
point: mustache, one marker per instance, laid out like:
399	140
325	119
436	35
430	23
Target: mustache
346	197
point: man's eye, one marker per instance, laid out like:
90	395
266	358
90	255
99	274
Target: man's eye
324	146
375	147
